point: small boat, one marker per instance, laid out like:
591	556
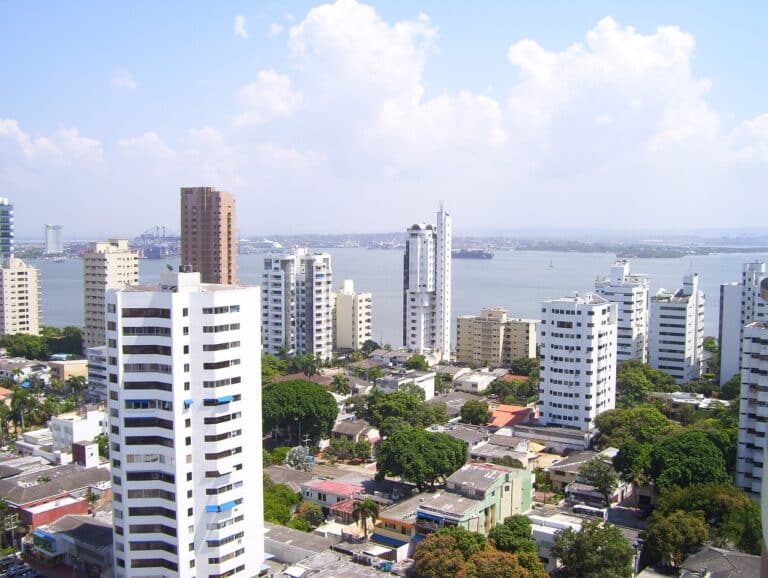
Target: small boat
471	254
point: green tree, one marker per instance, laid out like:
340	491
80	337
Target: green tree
272	367
400	404
491	563
642	424
687	458
417	362
340	448
430	412
670	539
514	535
598	550
475	412
103	442
363	510
509	462
525	365
299	524
311	512
599	474
635	380
369	346
299	405
76	386
340	384
419	456
279	500
362	450
731	389
438	556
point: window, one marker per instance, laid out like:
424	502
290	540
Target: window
146	312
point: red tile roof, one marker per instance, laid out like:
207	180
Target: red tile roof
503	415
334	487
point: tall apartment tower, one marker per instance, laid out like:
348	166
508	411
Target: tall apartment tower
54	239
577	339
106	265
297	312
676	343
427	288
20	306
352	314
209	234
630	293
753	411
740	304
492	339
6	229
184	370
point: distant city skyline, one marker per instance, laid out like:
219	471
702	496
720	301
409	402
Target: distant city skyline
324	118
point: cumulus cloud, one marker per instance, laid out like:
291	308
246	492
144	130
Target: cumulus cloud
269	96
123	80
239	26
275	29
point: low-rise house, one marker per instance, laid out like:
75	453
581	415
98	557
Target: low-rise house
20	370
476	381
355	430
396	380
289	546
69	428
42	497
499	446
451	372
545	525
503	415
326	493
289	476
454	401
62	370
82	542
566	471
560	440
469	434
720	563
391	357
677	399
477	497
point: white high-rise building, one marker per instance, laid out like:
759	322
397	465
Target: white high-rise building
297	312
740	304
20	305
54	239
630	293
676	342
577	341
351	317
185	420
427	288
106	265
753	408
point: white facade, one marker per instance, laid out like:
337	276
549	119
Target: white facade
107	265
20	306
630	293
68	429
577	338
352	315
395	381
297	312
740	304
97	370
753	409
427	288
54	239
676	344
185	417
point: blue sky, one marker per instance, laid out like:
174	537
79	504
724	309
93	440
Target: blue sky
360	117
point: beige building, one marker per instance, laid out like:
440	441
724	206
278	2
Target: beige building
63	370
492	339
209	234
20	307
106	265
351	318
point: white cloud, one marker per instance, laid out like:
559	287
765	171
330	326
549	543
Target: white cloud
239	27
275	29
64	145
123	80
269	96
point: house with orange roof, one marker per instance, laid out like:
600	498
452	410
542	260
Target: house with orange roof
503	415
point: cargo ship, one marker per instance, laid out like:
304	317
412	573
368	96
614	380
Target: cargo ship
471	254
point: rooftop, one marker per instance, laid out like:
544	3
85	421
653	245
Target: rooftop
334	487
720	564
289	536
352	427
88	530
33	487
478	476
289	476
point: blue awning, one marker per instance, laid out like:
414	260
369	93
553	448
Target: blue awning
387	540
224	399
421	514
44	535
221	507
187	402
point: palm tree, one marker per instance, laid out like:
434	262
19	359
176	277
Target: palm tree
76	385
361	511
340	384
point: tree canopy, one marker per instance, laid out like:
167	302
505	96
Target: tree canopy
599	474
475	412
635	380
419	456
598	550
417	362
686	458
642	424
514	536
670	539
294	403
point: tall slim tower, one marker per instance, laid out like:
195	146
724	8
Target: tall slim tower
578	360
676	338
427	288
209	234
54	239
6	229
740	304
351	318
20	307
185	420
107	265
298	309
630	293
